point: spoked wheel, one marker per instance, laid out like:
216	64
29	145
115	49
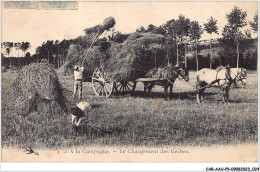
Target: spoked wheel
125	87
101	83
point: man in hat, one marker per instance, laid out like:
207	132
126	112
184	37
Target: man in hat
79	114
78	75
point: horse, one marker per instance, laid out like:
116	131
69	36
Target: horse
238	74
165	77
207	78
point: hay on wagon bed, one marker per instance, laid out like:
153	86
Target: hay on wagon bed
122	61
37	89
134	57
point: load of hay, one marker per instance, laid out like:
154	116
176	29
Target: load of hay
124	61
37	89
135	56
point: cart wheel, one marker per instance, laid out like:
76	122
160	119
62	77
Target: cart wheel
125	87
101	83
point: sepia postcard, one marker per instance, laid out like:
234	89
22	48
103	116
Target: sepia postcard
145	81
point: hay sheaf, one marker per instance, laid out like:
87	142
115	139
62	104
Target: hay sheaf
99	29
37	89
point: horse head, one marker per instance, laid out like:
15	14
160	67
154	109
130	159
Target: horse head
185	74
242	76
181	72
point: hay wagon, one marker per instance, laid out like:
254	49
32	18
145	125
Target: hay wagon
103	86
100	72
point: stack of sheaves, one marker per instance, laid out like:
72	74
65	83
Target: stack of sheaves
37	89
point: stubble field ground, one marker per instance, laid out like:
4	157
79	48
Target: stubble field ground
136	120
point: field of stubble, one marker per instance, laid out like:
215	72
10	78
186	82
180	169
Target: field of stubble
135	120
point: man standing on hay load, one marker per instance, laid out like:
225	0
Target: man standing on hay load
78	74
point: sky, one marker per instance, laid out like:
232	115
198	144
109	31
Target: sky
38	26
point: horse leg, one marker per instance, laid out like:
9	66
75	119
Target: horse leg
198	91
202	94
235	83
171	91
145	87
150	88
165	92
227	94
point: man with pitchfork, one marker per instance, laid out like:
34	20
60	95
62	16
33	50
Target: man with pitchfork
78	76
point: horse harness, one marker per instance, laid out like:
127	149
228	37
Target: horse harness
228	79
239	75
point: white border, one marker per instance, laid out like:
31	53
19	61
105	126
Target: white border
130	166
119	166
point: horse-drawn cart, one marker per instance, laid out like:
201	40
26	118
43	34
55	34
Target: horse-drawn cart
104	86
116	66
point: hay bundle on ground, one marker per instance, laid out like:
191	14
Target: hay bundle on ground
37	89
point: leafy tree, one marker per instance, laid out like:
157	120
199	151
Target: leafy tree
28	55
254	27
211	27
150	28
17	46
11	47
236	20
55	53
178	29
8	50
141	29
159	30
254	23
195	34
25	46
48	49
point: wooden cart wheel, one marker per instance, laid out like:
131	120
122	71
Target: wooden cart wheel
101	83
125	87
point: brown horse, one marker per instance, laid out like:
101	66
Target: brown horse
165	77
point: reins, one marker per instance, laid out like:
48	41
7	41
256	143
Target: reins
236	76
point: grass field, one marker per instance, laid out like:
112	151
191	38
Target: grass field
125	120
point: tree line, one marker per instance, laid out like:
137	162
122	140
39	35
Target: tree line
234	40
236	46
8	48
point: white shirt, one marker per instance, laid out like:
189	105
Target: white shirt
78	73
84	106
